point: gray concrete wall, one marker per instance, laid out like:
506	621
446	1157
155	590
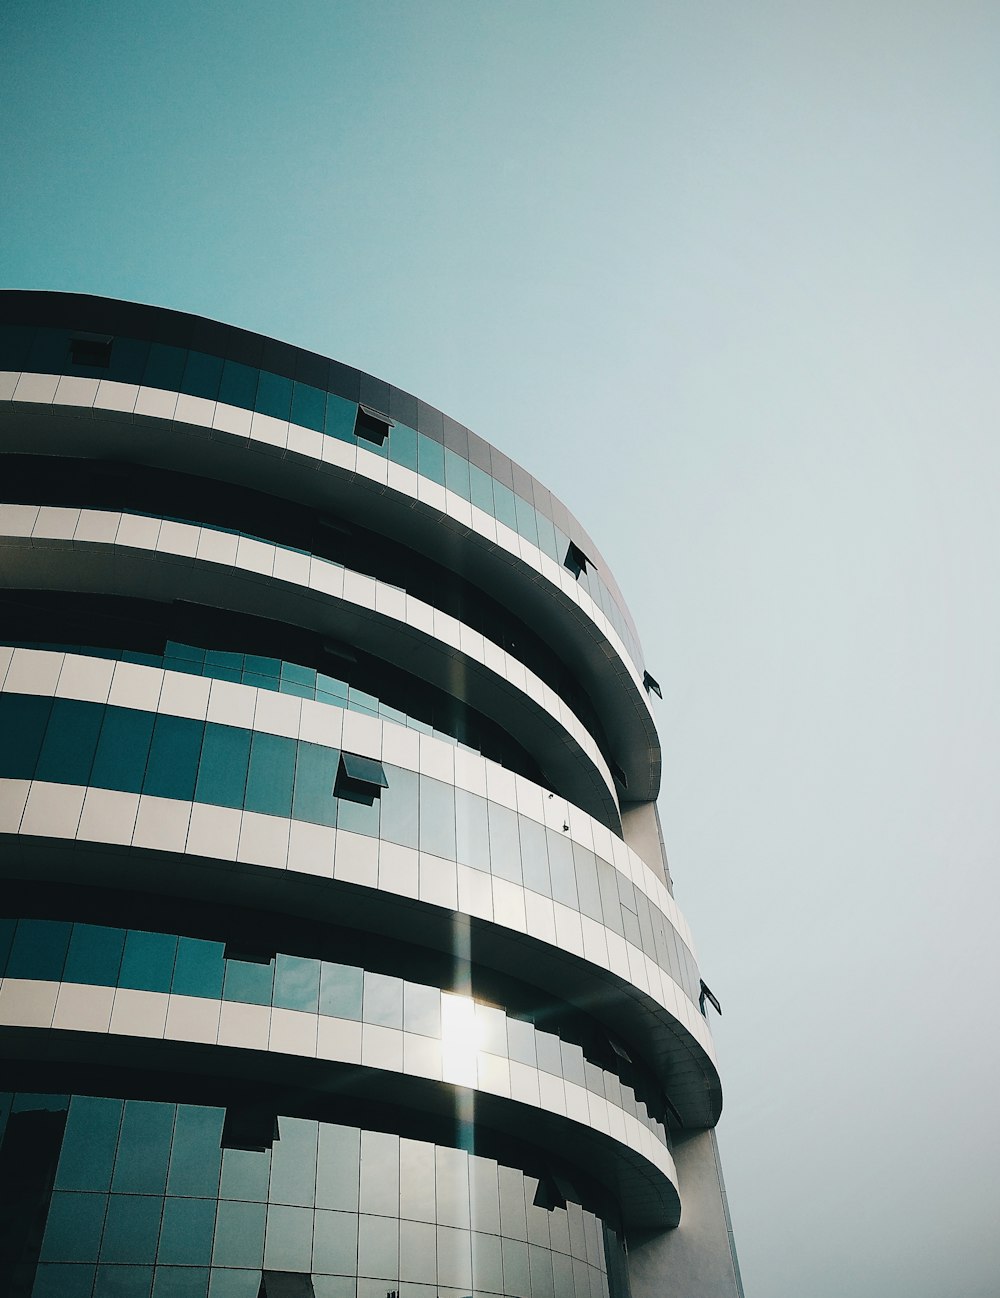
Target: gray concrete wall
696	1260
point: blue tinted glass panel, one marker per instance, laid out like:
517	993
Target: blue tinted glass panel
123	1281
239	1234
70	741
341	991
315	773
95	955
274	395
131	1228
222	772
525	515
195	1155
23	719
437	818
122	749
308	406
481	489
400	807
430	459
198	969
403	447
73	1228
547	537
39	949
456	474
249	983
272	771
239	385
148	962
187	1231
340	418
296	983
164	367
503	500
88	1148
143	1149
63	1280
173	757
181	1282
202	375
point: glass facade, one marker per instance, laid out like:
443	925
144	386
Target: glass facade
313	406
66	741
95	955
143	1202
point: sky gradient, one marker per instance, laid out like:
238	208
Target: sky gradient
727	278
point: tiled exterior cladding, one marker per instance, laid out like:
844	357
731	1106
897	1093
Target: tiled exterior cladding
338	953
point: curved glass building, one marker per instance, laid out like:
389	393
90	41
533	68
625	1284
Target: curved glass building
339	954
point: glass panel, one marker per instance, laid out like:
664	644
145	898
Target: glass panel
164	367
195	1156
173	757
131	1228
437	818
199	968
481	489
430	459
308	406
23	720
239	385
120	761
561	870
143	1150
341	991
335	1243
403	446
293	1164
422	1010
73	1228
180	1282
338	1167
61	1280
383	1003
187	1232
248	982
70	742
503	502
315	772
245	1175
148	962
416	1181
505	847
400	807
456	474
380	1176
534	856
526	524
239	1234
222	771
340	418
418	1252
88	1148
296	984
472	830
39	949
274	395
378	1246
202	375
288	1242
452	1178
95	955
272	772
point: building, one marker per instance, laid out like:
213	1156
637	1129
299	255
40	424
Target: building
339	955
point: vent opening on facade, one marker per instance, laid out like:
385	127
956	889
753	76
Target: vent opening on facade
576	561
652	685
251	1129
708	995
249	952
619	775
359	779
92	351
372	425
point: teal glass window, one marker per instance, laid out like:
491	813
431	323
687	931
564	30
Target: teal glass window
271	775
238	386
274	395
187	1232
335	1247
315	773
63	1280
183	1282
403	447
223	665
89	1142
239	1234
293	1167
481	489
245	1174
247	982
383	1000
527	525
288	1238
202	376
173	757
308	406
23	719
73	1228
400	807
131	1228
164	367
422	1010
199	968
94	956
195	1155
222	771
456	474
70	742
338	1170
296	985
341	991
39	949
341	416
122	749
430	459
503	501
143	1150
148	961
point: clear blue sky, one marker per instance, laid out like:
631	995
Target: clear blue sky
727	276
